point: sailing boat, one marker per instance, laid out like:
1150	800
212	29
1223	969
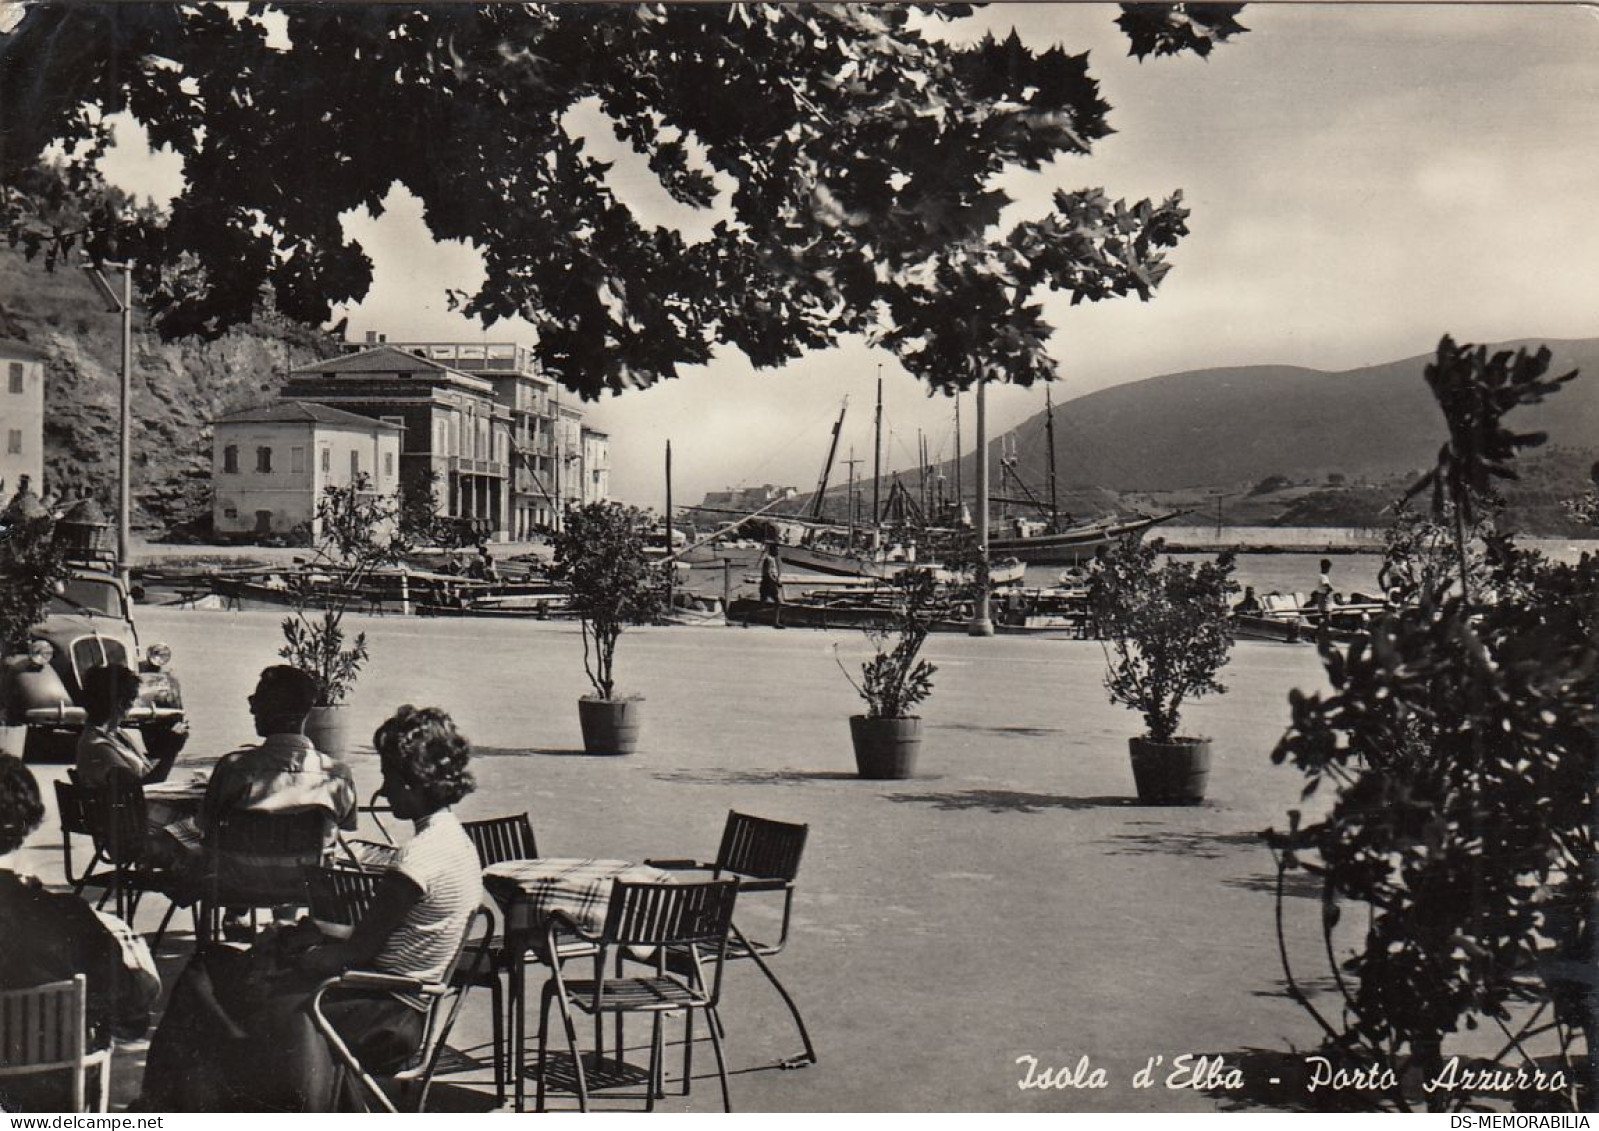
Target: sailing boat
819	546
1054	542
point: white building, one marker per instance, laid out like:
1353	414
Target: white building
271	464
21	417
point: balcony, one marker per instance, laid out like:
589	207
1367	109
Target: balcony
460	465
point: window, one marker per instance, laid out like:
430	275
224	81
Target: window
297	460
14	442
355	465
16	376
388	465
327	458
230	512
230	459
263	460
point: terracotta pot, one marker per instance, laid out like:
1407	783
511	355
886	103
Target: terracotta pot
328	728
886	748
610	726
1170	773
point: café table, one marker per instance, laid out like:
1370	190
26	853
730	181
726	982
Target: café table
528	893
174	805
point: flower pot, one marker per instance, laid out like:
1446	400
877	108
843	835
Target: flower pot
886	748
1170	773
328	728
610	726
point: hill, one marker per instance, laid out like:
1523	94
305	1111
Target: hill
178	388
1213	427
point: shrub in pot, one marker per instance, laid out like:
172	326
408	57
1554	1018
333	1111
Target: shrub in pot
611	583
358	534
888	737
32	570
1166	633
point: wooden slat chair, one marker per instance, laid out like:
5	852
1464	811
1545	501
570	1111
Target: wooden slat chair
256	858
77	819
764	857
119	821
498	839
418	1074
45	1029
692	919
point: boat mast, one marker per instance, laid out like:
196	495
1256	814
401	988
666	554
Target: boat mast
981	624
827	468
1049	429
850	497
877	452
959	501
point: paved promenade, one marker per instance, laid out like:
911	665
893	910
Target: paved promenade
1012	901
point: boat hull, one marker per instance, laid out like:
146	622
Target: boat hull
1009	572
1070	547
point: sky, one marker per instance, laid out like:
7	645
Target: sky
1362	179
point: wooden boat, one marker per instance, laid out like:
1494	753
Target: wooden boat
1294	618
1075	544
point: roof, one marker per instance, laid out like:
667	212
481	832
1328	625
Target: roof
11	348
302	412
379	359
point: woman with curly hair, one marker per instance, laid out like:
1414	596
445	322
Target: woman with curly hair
238	1034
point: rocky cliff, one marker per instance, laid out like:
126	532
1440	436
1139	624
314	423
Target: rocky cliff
178	389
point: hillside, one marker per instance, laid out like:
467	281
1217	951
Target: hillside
178	388
1225	426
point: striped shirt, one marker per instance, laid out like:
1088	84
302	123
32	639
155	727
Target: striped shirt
442	862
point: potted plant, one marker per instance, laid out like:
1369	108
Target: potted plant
611	583
33	568
888	737
1166	633
357	534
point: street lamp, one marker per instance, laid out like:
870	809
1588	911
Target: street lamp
981	624
123	305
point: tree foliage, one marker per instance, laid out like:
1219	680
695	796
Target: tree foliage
611	582
851	159
896	679
1166	627
32	566
1460	739
358	534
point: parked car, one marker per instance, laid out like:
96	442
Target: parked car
89	623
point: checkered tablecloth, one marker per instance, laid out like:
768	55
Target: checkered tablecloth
529	890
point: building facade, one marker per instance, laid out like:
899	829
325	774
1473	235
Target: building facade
21	417
747	499
549	466
270	465
596	465
456	432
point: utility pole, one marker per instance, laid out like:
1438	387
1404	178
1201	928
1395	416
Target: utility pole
877	452
1049	427
671	563
960	496
122	304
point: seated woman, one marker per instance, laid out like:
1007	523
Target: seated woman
48	937
107	756
109	693
238	1035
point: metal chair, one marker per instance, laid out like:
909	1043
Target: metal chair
256	858
418	1073
763	856
45	1029
77	819
690	919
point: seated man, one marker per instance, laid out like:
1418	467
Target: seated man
49	937
285	773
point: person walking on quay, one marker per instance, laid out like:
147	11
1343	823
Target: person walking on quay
1324	586
772	580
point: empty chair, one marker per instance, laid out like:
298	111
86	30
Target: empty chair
418	1073
764	856
44	1029
691	920
498	839
338	897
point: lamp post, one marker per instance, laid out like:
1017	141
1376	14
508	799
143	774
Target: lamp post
121	304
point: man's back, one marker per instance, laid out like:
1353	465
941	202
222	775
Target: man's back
286	772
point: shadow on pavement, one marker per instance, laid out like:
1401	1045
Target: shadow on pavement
1012	732
1298	885
1209	846
760	777
530	752
1011	801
